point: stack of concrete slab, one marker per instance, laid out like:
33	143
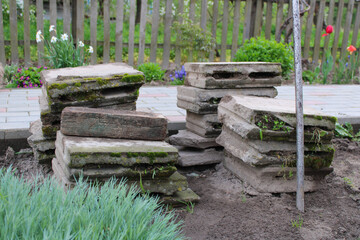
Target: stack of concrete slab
99	144
259	137
114	86
205	85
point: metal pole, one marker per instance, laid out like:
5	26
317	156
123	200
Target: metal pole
299	108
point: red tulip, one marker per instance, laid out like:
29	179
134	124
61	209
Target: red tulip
329	29
351	49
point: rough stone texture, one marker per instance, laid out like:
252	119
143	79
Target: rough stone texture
205	125
181	197
168	186
206	101
251	131
264	153
194	157
186	138
248	108
69	81
44	157
81	151
274	179
232	75
92	122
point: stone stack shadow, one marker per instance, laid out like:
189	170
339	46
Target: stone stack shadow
205	85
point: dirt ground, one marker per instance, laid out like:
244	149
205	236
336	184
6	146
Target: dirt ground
231	209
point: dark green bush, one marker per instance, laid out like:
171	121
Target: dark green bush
262	50
152	71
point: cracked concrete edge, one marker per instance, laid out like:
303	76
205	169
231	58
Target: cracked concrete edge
15	138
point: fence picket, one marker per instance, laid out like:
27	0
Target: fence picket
329	22
13	32
119	30
2	45
66	17
203	14
214	27
309	24
337	28
80	22
167	34
106	51
246	34
258	18
357	25
178	35
347	27
154	30
268	19
53	15
224	31
93	29
192	18
131	33
319	28
27	33
142	32
40	27
236	26
279	17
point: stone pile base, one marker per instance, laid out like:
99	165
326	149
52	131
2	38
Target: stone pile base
259	137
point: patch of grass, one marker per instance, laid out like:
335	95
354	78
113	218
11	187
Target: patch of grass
297	223
43	210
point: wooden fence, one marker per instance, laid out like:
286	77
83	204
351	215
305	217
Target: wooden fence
247	18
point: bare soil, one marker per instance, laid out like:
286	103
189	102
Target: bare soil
231	209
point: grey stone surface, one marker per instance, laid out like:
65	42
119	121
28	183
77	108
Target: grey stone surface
274	179
194	157
81	151
37	141
187	138
44	157
206	125
205	101
249	108
211	75
92	122
2	80
181	197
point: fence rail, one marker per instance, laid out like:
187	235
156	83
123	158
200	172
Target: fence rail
230	22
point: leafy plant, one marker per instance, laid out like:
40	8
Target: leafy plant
27	78
179	77
327	66
262	50
152	71
9	72
189	206
346	131
311	76
43	210
348	182
297	223
61	50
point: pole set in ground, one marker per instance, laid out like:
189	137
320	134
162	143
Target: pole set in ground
299	108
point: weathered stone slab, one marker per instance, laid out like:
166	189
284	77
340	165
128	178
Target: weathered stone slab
262	153
287	133
90	81
211	75
82	151
274	179
94	172
252	108
189	139
37	141
95	122
195	157
206	101
168	186
180	198
205	125
44	157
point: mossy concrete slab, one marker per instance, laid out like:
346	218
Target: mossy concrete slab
253	132
59	82
108	123
274	179
197	157
44	157
180	198
37	141
205	125
81	151
261	153
187	138
205	101
250	108
213	75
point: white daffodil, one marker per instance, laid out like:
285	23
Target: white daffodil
81	44
53	39
38	36
90	50
52	28
64	37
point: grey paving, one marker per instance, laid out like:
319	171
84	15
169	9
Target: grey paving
19	107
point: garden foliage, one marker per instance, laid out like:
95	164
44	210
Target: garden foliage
26	78
152	71
262	50
43	210
179	76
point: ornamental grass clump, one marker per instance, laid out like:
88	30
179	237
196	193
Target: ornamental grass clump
43	210
61	50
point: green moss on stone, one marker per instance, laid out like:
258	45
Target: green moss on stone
115	154
78	84
132	78
58	86
49	131
101	81
318	117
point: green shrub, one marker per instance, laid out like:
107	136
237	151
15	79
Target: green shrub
152	71
43	210
262	50
26	78
9	72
